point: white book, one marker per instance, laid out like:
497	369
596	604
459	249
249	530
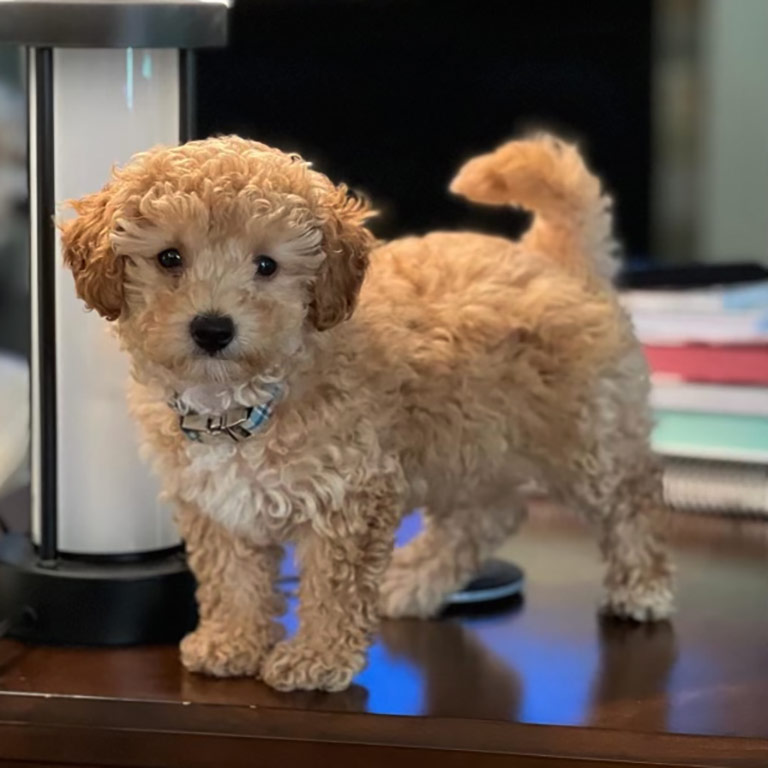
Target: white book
746	327
732	298
670	394
728	455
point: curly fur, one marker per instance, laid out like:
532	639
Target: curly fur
471	365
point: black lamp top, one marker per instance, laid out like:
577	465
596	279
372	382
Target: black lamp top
115	23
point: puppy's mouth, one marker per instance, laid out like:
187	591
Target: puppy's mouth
220	354
215	368
230	365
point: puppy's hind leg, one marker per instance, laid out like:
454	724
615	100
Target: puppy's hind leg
446	555
619	491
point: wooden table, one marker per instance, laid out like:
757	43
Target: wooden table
538	684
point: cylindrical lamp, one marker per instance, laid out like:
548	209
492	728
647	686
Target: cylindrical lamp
107	78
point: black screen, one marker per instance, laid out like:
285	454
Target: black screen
392	95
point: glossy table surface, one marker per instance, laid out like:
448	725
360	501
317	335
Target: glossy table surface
601	686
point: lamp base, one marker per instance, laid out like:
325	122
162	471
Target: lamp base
85	603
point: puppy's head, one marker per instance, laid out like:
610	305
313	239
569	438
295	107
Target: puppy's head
218	257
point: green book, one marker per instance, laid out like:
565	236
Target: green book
711	436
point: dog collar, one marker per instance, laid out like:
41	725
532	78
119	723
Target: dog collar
237	423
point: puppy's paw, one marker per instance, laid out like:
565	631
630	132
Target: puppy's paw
295	666
405	594
648	602
224	652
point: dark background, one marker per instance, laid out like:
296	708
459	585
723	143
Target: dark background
392	95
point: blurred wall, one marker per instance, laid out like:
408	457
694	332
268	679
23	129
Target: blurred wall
732	205
14	293
676	117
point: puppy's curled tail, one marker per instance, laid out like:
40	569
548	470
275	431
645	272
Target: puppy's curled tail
573	221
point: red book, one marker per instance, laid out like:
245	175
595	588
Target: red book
701	362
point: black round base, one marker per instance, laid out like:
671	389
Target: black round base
497	580
82	603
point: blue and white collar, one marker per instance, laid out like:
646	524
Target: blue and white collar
237	423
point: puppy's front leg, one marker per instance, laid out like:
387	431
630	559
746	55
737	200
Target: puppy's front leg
237	598
342	567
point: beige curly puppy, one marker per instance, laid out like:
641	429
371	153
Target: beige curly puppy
288	389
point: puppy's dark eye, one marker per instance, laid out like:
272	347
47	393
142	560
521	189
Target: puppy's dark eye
169	259
265	266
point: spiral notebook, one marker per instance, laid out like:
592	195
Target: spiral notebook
716	487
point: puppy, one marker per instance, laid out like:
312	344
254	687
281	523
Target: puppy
289	389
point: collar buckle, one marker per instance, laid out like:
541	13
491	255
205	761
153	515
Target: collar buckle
237	423
231	423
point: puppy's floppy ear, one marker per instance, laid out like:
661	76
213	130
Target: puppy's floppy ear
88	252
346	243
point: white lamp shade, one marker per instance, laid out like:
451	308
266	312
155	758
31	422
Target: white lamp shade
107	105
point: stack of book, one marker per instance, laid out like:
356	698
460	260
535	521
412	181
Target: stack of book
708	353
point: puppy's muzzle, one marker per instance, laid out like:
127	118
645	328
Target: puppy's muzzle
212	332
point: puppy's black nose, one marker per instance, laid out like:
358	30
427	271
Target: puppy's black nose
212	332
